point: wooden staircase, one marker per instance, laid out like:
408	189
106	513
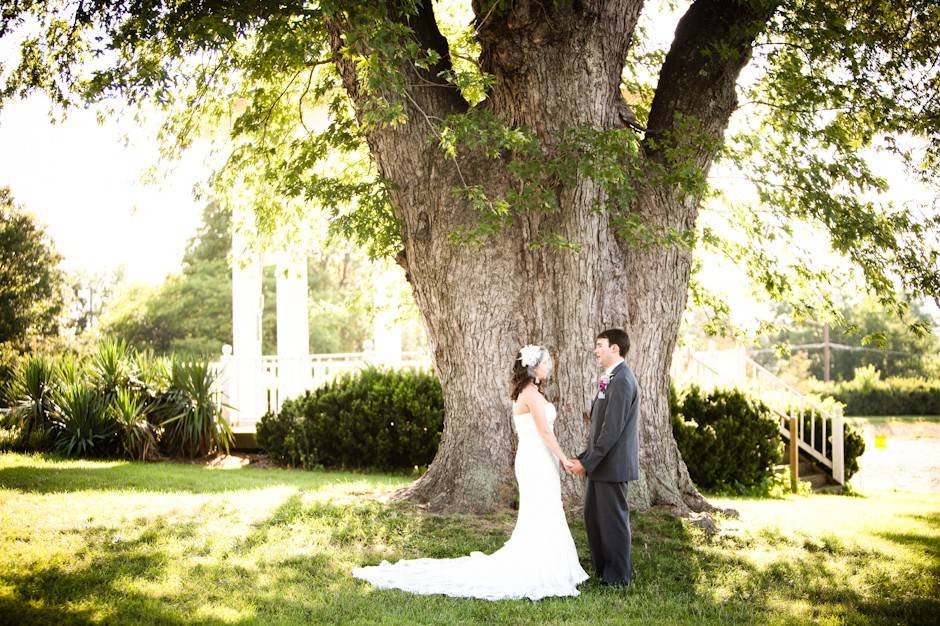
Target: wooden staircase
821	462
819	478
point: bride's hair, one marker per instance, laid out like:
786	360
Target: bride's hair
522	374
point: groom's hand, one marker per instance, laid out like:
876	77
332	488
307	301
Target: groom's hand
577	469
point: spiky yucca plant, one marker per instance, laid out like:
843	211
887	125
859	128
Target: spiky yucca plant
136	433
111	367
69	370
194	425
32	388
150	372
83	424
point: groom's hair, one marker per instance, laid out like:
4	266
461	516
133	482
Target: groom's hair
617	337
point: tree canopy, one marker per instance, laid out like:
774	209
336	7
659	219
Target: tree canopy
831	85
868	336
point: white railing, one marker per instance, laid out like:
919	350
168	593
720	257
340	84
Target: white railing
733	368
246	389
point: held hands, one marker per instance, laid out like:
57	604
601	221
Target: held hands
574	467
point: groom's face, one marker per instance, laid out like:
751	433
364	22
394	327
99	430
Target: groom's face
604	354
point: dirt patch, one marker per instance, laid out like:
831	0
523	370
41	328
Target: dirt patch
226	461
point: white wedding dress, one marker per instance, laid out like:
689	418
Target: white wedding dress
538	561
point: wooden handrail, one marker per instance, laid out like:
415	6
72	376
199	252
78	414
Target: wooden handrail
789	427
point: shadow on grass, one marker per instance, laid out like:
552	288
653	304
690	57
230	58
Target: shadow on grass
833	578
294	568
175	477
263	579
918	599
89	587
138	581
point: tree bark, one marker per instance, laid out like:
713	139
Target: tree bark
556	65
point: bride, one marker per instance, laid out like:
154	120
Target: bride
539	559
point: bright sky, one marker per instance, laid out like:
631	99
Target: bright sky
86	185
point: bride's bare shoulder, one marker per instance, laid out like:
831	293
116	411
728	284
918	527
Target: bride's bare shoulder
532	397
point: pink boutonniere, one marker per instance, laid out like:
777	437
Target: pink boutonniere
603	382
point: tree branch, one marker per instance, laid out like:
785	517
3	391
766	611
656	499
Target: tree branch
437	98
429	37
584	43
712	45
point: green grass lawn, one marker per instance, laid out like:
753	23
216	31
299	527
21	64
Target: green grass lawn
128	543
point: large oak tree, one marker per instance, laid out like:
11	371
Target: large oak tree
532	184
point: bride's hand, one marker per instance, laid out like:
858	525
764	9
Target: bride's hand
568	464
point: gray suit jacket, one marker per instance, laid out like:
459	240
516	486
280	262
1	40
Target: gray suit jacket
613	443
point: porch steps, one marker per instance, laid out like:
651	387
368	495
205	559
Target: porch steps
245	440
819	480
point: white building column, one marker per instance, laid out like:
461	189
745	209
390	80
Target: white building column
247	393
293	326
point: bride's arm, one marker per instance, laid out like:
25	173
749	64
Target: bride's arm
537	408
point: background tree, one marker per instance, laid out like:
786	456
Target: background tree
868	336
190	312
31	283
527	198
87	297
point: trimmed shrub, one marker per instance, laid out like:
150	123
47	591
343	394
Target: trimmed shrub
729	441
374	418
867	394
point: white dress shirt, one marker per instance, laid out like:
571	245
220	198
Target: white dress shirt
611	368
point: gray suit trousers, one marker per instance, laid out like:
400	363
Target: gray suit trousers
607	521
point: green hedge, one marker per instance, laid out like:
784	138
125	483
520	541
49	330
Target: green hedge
375	418
895	396
892	396
729	441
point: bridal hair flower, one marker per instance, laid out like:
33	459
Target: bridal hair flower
530	355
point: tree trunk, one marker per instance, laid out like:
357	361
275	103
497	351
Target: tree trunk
556	65
655	311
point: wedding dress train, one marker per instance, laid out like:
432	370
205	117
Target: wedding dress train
539	559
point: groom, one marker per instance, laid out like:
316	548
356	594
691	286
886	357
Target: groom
611	460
